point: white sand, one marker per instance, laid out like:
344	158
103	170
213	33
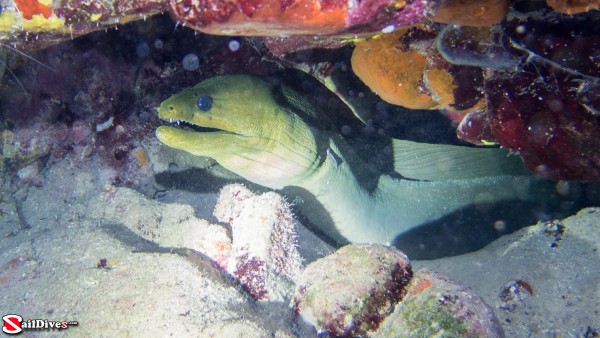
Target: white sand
48	270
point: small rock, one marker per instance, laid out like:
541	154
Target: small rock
438	307
351	291
514	293
29	173
264	257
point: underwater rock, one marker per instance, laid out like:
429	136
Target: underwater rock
395	74
282	46
261	253
404	69
350	292
470	12
573	6
537	279
543	120
26	145
436	306
168	225
296	17
543	96
264	257
56	21
370	290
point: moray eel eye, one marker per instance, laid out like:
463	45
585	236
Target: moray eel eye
204	103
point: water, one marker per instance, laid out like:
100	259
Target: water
101	223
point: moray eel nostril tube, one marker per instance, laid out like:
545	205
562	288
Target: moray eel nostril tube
269	135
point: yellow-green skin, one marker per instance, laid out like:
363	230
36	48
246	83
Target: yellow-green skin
272	145
257	140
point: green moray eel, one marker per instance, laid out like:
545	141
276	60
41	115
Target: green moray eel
269	135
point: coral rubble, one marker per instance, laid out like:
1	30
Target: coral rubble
370	290
437	306
264	254
260	253
349	292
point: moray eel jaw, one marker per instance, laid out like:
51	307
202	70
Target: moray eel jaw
249	134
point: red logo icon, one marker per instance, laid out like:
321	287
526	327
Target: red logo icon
12	324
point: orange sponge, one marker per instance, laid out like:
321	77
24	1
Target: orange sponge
396	75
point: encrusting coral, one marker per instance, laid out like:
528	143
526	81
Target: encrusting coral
437	306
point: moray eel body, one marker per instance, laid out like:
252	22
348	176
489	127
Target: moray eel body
269	135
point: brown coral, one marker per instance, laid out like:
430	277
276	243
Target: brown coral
471	12
573	6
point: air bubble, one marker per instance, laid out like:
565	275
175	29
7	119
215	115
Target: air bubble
234	45
191	62
500	226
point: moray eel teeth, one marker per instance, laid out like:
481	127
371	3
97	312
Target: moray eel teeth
247	132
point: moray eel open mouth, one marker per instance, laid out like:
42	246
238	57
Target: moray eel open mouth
199	110
239	124
184	125
201	122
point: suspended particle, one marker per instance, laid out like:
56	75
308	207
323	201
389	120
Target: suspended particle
142	49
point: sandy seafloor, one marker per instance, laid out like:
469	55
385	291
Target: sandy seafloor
49	256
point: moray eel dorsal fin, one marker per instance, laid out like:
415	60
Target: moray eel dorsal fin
265	133
434	162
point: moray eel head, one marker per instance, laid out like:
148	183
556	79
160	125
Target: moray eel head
243	128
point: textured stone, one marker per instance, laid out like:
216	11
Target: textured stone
349	292
438	307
